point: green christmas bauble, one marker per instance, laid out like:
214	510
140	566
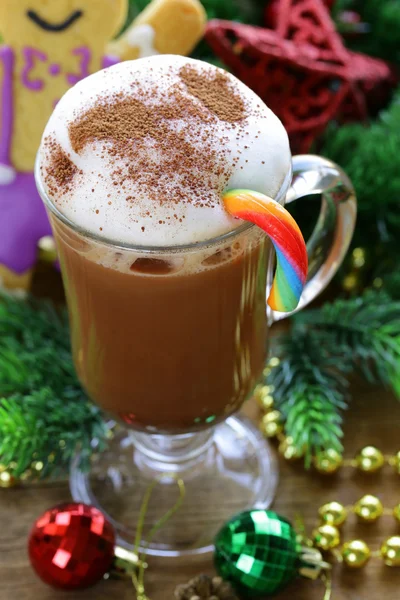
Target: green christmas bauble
257	552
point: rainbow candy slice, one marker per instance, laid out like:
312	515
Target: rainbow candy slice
282	229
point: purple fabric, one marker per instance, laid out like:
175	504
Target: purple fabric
23	221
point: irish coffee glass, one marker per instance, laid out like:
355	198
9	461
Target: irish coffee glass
170	342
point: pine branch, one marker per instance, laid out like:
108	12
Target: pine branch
367	330
44	413
383	20
370	157
310	385
310	390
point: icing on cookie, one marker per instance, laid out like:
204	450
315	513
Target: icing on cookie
84	55
142	37
6	104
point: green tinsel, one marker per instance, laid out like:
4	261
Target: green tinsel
310	385
44	413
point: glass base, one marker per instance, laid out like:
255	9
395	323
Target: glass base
225	470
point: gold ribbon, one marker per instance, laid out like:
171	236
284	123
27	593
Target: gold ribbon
138	580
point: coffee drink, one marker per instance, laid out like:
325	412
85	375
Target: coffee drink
166	291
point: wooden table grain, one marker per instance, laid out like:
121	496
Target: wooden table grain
374	419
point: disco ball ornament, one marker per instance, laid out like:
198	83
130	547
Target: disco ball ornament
71	546
258	552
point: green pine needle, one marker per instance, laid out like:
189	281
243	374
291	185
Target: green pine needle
370	156
326	345
310	390
383	20
367	332
44	413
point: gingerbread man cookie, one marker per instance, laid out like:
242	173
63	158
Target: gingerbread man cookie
50	46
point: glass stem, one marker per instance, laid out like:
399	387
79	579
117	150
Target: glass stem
175	454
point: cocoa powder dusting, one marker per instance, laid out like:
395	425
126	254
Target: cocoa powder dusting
165	145
61	171
124	120
215	92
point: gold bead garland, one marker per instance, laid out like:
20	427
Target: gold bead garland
355	553
368	509
368	460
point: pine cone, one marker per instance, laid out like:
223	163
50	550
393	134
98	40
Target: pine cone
204	587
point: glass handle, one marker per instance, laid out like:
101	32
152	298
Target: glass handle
332	235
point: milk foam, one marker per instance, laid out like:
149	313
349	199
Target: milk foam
262	153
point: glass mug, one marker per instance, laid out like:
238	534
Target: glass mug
170	342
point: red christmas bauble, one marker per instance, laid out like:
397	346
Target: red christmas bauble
71	546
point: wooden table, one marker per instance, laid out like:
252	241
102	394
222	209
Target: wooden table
373	419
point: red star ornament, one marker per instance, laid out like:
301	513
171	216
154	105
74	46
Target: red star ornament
302	69
272	11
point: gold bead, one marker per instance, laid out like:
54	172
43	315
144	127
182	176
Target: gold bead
350	282
47	249
7	480
328	462
396	513
369	508
37	466
27	475
370	459
395	462
356	554
358	257
333	513
326	537
271	424
110	434
390	551
267	403
289	451
262	394
273	362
